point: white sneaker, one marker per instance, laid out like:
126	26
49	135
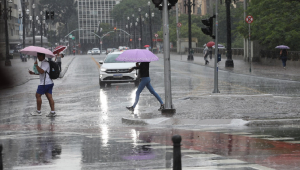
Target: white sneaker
51	114
36	113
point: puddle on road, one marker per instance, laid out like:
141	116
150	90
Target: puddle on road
134	147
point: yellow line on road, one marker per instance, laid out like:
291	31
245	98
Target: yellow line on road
96	62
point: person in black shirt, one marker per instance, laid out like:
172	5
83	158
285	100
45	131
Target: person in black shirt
283	56
145	81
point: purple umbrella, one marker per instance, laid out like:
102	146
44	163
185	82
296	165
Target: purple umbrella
137	55
282	47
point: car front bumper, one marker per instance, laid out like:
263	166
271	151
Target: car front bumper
118	78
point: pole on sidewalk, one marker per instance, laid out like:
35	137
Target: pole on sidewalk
1	162
176	152
167	70
216	90
249	48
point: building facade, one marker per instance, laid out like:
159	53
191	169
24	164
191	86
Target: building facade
13	24
90	14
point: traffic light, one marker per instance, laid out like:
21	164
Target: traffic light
173	2
47	15
208	30
52	15
158	3
115	29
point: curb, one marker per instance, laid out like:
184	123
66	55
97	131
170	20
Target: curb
273	122
210	122
62	74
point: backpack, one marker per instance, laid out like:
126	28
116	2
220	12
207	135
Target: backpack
54	70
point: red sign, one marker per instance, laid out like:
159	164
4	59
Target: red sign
179	24
156	35
249	19
130	39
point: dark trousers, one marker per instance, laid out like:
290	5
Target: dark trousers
59	65
283	62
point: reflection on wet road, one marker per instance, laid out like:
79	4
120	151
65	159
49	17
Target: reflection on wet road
88	132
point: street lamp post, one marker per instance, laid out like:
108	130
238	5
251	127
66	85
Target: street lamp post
151	42
189	4
33	25
128	18
99	30
41	22
24	12
5	12
134	32
141	29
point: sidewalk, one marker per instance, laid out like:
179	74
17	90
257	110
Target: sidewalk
243	67
18	72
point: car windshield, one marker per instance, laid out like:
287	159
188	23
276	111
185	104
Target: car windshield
111	58
95	49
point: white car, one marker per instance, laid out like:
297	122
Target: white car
89	52
113	71
95	51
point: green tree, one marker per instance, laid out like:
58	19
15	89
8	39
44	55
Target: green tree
196	29
128	7
65	14
275	22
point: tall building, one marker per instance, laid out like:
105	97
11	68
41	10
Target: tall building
202	7
90	13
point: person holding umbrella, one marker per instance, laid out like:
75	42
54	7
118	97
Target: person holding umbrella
283	54
46	83
142	59
58	55
145	82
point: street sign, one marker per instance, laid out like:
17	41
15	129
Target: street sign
156	35
70	35
249	19
179	24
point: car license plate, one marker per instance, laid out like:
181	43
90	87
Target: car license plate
118	75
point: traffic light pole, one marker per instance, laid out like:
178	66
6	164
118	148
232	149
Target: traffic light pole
229	61
167	70
190	56
216	90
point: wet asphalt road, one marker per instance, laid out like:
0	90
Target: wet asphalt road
88	132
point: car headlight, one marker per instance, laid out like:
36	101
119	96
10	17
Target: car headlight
103	69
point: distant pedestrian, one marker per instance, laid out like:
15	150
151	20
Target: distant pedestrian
283	56
74	52
210	52
205	57
45	86
58	60
145	82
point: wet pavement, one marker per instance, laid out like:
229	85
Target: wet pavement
88	132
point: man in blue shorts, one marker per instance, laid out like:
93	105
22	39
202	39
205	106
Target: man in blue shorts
46	85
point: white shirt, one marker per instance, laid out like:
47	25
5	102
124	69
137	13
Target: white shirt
46	67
